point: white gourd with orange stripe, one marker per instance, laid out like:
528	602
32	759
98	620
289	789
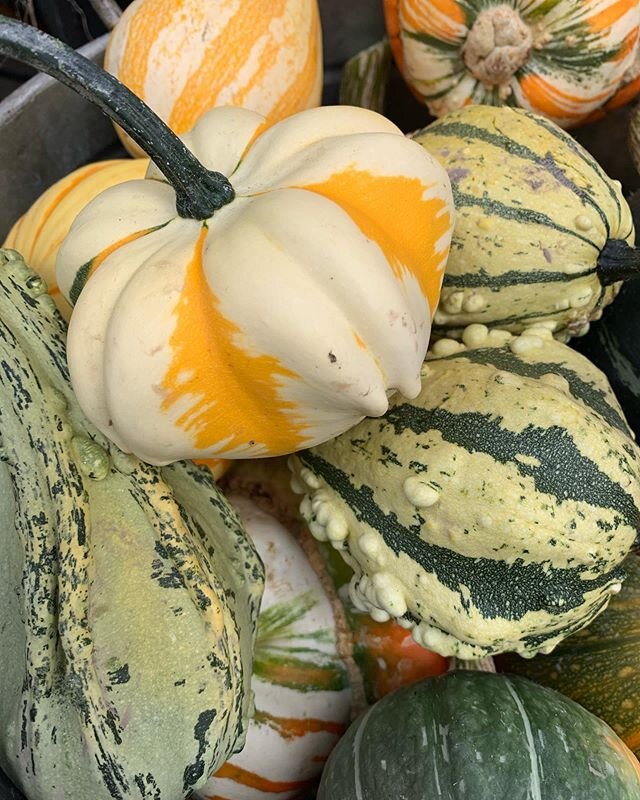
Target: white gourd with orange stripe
561	58
183	57
282	320
39	232
300	682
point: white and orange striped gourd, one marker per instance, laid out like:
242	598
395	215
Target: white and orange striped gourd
561	58
301	684
39	232
183	57
282	320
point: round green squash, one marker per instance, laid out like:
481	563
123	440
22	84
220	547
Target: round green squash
479	736
599	667
492	513
128	594
542	234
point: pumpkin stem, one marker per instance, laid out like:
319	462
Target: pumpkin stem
199	191
618	261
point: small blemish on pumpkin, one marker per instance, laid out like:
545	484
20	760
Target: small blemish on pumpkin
457	174
547	255
332	357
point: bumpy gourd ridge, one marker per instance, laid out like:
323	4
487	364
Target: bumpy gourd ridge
510	587
58	463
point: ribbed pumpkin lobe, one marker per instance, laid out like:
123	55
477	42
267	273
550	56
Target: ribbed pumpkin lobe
498	44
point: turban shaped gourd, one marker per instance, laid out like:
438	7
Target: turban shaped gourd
254	317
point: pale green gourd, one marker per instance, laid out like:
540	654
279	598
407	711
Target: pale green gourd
128	594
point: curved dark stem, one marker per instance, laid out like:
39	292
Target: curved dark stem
618	261
199	192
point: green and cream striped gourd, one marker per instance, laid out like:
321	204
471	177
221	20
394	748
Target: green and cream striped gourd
541	233
493	512
128	594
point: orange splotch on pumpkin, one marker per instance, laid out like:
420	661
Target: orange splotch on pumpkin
408	229
208	363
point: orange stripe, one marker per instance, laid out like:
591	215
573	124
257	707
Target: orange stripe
98	260
292	728
231	392
416	15
632	740
609	16
222	60
552	101
59	196
255	781
628	43
143	29
407	230
392	19
302	87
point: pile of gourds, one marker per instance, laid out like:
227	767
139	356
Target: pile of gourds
313	445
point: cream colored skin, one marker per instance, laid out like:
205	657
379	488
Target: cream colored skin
292	274
476	506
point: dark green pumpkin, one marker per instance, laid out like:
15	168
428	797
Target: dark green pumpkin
599	667
479	736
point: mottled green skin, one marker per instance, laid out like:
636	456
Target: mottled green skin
128	600
479	736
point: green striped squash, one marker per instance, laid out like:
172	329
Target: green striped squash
534	215
128	594
479	736
492	512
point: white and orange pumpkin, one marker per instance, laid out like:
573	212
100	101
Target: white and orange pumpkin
183	57
564	59
280	321
38	234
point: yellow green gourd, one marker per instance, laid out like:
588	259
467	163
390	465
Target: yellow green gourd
542	235
128	595
493	512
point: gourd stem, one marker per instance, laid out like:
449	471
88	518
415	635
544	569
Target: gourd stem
199	191
618	261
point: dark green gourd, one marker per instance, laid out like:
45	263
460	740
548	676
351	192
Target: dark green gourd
128	594
479	736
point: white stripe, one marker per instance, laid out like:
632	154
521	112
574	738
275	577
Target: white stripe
536	794
356	754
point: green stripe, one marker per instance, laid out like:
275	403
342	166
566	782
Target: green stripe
497	589
504	143
504	359
580	152
82	274
432	41
522	215
481	278
579	479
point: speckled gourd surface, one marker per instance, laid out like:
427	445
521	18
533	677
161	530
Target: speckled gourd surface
534	211
493	512
128	594
479	736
